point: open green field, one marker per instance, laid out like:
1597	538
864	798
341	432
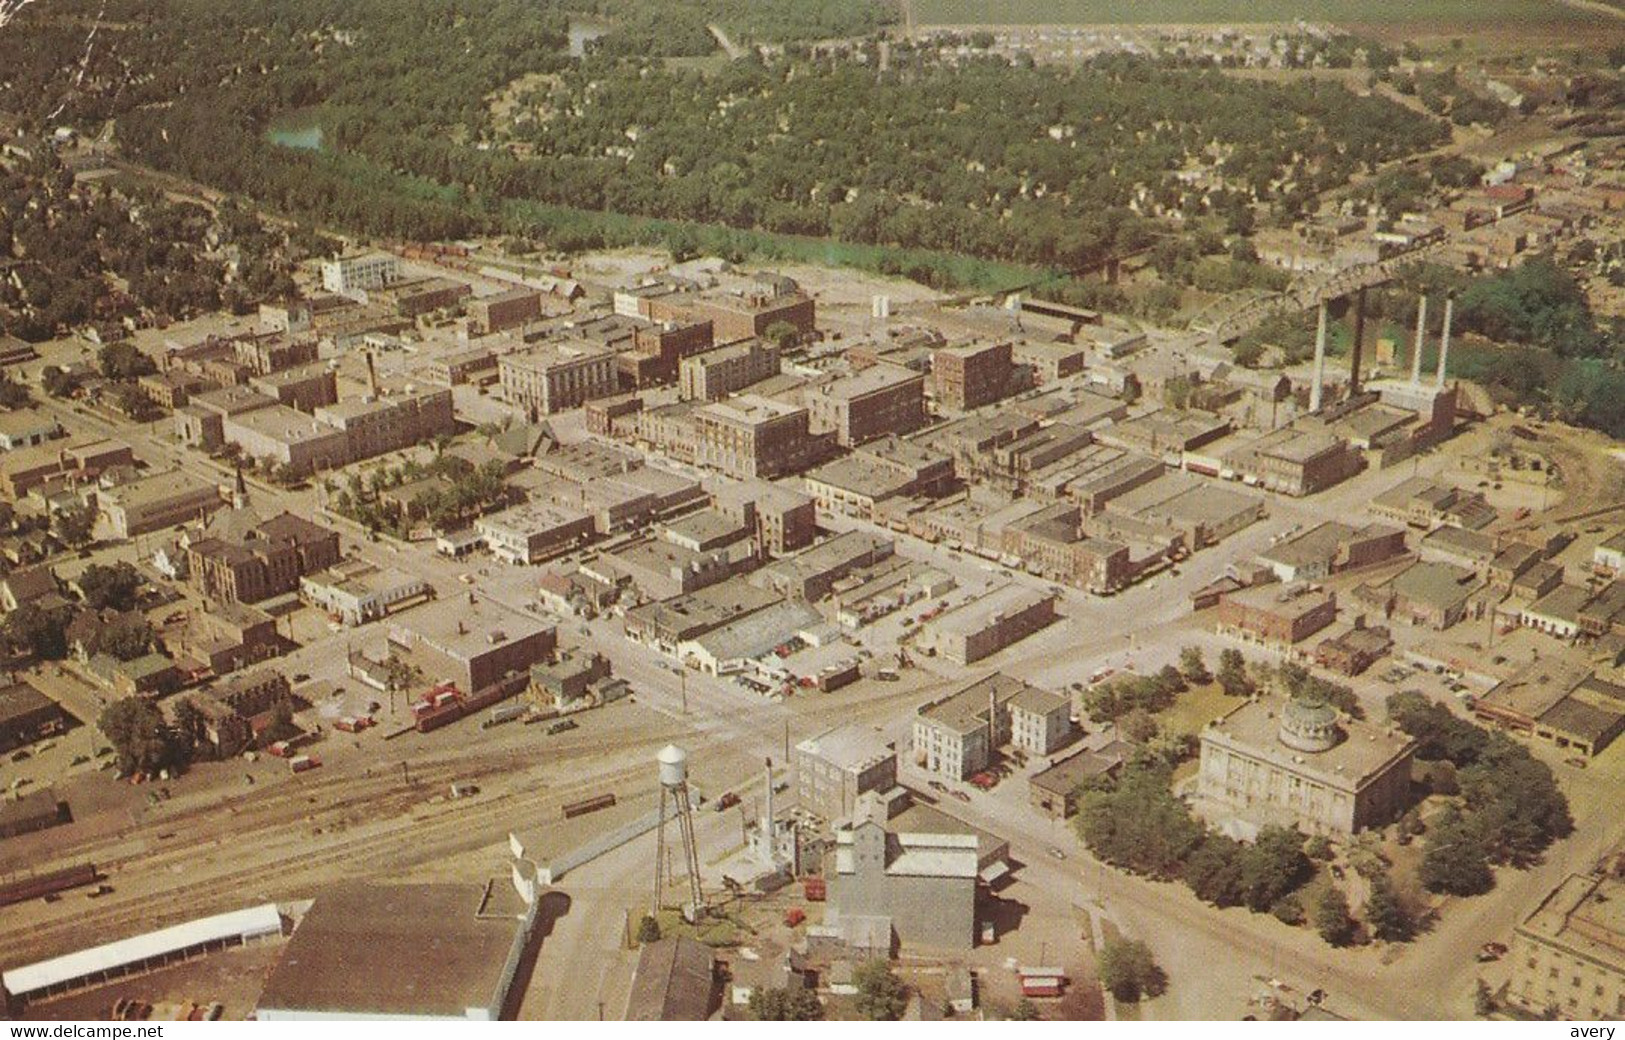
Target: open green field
1175	12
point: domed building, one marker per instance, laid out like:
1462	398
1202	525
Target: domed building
1299	762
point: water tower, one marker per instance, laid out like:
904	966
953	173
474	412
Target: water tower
673	762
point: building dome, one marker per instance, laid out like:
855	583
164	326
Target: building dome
1309	725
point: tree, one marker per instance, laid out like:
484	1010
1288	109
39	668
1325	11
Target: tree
123	361
1171	681
110	587
1138	726
1233	673
1024	1011
1128	969
140	738
1483	1000
74	524
1139	824
190	724
785	1005
1455	858
1385	914
783	335
1193	667
282	726
127	637
58	381
32	630
13	394
1332	918
648	929
1273	866
881	994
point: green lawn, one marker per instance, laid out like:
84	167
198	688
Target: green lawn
1196	708
1156	12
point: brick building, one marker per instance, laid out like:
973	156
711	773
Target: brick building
1276	615
875	402
972	375
756	437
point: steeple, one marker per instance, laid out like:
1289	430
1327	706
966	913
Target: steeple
239	491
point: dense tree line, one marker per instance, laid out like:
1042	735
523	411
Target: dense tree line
1046	167
1510	807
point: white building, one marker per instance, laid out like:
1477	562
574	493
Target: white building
360	272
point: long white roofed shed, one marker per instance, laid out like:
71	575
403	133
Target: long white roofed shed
124	956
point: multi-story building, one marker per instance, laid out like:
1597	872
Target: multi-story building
1040	720
299	443
302	389
987	625
1568	956
506	310
839	766
956	735
1296	763
360	272
876	401
736	316
756	437
811	574
1294	462
860	483
156	502
555	378
534	531
715	374
373	426
971	375
784	521
658	349
239	558
271	352
1276	615
474	365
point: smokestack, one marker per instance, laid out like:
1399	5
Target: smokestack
1444	340
372	376
1359	342
1316	390
767	812
1421	331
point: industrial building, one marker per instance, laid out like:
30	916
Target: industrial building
473	644
402	953
889	885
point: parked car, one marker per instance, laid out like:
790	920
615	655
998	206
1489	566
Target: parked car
939	786
727	801
962	796
563	726
1056	853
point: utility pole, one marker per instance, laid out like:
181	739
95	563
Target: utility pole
683	675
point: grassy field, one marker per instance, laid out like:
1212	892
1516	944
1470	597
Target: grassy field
1161	12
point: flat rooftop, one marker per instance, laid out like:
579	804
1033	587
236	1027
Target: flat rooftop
851	746
874	379
413	950
976	615
1587	916
159	487
1365	751
749	409
284	425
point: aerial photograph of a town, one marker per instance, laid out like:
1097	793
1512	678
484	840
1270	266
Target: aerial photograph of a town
644	511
